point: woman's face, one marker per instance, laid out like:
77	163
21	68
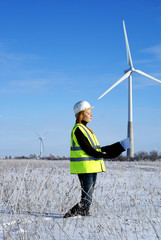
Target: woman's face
87	116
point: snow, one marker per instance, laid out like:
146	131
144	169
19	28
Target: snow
126	201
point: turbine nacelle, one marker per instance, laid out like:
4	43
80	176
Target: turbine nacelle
132	69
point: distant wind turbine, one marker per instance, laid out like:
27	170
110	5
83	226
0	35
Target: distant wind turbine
128	74
41	145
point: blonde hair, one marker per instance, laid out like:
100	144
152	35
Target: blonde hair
79	118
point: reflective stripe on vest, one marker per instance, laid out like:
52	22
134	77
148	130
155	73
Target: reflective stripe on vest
79	148
83	159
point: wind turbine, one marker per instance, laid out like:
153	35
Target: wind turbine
41	145
128	74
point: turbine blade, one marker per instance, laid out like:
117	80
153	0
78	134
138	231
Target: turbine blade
115	84
147	75
129	59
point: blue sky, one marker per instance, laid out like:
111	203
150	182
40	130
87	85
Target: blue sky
55	53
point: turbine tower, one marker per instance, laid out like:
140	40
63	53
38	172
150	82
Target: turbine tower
128	74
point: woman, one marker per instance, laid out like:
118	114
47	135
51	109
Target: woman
86	157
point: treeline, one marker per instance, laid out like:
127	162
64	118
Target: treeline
34	156
139	156
142	155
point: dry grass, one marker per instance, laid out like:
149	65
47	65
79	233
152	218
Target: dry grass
126	201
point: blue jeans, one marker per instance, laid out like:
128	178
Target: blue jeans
87	181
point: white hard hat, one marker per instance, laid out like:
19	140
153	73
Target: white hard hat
81	106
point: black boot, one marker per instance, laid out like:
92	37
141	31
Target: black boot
77	210
74	211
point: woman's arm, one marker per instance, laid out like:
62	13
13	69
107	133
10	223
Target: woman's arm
110	151
113	150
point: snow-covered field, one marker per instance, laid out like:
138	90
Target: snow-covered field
126	201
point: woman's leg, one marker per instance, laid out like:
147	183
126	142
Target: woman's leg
87	181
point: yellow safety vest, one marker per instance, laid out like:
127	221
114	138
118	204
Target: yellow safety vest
80	161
